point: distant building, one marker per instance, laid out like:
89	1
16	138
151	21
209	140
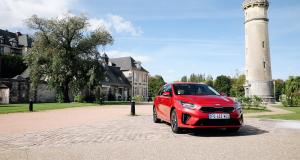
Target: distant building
115	85
135	73
14	43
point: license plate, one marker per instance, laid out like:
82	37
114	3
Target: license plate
219	116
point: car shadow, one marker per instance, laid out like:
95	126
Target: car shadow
246	130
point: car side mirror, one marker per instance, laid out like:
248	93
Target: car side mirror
168	94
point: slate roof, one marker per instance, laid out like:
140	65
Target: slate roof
126	64
7	36
114	76
3	86
22	39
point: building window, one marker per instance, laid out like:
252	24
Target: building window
1	50
263	44
1	40
264	64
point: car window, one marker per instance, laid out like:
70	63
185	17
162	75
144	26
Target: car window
162	90
194	89
169	88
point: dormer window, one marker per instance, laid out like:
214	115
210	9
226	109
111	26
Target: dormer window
13	42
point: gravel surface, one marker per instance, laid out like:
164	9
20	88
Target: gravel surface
115	135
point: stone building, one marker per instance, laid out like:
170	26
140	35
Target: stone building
4	94
257	52
115	86
14	43
136	75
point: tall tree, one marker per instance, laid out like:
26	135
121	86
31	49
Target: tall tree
64	53
292	90
155	83
237	88
223	84
279	85
184	79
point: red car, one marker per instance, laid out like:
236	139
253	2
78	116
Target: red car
195	105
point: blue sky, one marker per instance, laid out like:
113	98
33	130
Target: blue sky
176	38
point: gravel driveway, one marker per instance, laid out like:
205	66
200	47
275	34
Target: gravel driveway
109	133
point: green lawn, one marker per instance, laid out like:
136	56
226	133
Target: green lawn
255	110
252	109
10	108
291	116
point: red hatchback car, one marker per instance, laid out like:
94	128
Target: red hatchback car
195	105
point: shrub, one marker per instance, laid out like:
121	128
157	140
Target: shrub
138	98
78	98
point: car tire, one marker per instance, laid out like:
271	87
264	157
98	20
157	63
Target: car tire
174	122
155	119
232	130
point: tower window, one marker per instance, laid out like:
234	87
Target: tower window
264	64
263	44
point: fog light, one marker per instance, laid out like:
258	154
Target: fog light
185	118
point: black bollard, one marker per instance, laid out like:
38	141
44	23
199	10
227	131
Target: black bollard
30	105
132	108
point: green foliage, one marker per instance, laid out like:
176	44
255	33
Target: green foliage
78	98
99	95
210	83
138	98
11	65
184	79
237	88
155	83
251	103
223	84
65	53
279	86
291	91
256	101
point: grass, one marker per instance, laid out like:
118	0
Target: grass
11	108
291	116
251	109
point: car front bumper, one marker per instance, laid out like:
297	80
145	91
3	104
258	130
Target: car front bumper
189	118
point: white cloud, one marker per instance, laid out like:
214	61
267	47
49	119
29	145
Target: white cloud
14	12
115	23
136	56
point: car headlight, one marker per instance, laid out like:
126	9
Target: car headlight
237	106
187	105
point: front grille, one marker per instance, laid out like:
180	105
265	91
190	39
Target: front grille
217	109
217	122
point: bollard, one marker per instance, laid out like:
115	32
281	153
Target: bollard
30	105
132	108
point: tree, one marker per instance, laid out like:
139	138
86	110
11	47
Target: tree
237	88
223	84
184	79
65	54
155	83
292	91
11	65
279	85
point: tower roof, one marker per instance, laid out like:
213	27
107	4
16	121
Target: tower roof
248	3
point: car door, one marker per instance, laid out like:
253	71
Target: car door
159	102
166	102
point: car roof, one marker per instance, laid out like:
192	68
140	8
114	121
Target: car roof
187	83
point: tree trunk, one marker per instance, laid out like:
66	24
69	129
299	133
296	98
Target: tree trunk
65	90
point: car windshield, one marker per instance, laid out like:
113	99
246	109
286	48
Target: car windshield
194	89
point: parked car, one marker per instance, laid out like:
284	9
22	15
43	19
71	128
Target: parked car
196	105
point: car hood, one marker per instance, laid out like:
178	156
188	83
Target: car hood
207	100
